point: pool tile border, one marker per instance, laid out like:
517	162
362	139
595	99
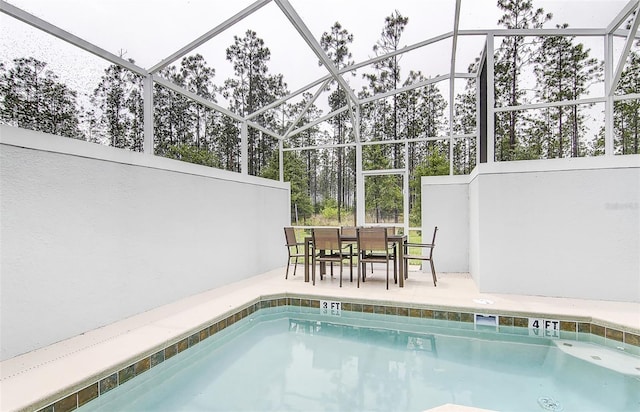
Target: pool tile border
113	379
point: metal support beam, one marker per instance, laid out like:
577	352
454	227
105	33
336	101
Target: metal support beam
608	105
55	31
304	31
622	16
491	138
306	107
549	104
319	120
625	52
360	209
244	149
452	93
172	86
264	130
281	159
209	35
403	89
147	146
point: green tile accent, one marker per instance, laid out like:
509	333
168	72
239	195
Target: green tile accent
631	339
305	303
213	329
454	316
367	308
87	394
125	374
346	306
170	351
598	330
295	301
415	313
466	317
390	310
615	335
315	303
282	302
222	324
194	339
69	403
403	311
584	327
108	383
183	345
378	309
204	334
142	366
521	322
156	358
438	314
567	326
505	321
428	313
356	307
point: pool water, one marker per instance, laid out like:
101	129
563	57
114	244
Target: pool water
291	361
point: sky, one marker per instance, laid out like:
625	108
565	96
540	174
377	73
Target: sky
150	30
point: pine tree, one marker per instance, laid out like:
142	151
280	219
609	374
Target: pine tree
510	58
627	112
464	150
336	44
32	97
564	71
387	77
252	88
112	98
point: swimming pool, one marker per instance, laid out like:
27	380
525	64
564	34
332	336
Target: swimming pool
293	358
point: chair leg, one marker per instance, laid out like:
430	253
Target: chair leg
364	271
313	270
340	273
286	275
433	273
295	267
387	274
351	267
395	271
359	274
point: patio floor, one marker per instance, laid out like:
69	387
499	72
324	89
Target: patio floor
38	378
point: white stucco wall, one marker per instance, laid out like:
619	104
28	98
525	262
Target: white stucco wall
92	234
565	228
452	218
571	229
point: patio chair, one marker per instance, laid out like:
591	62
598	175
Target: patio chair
327	247
373	247
295	249
422	256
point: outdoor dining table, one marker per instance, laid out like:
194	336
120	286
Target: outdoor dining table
397	240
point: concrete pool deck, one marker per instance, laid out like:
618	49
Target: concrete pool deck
39	378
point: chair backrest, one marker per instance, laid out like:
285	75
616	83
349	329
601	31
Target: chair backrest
290	236
372	238
326	238
350	231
